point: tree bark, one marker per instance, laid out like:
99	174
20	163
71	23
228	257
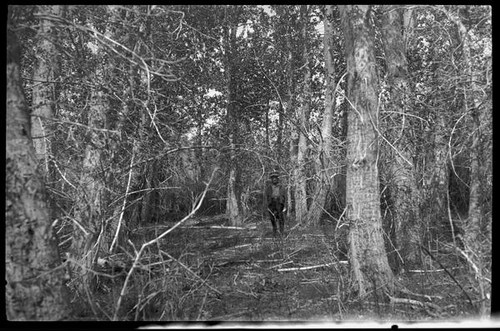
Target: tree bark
34	278
44	92
233	205
279	135
367	253
89	208
473	94
289	110
404	191
93	235
324	153
302	148
140	176
408	26
288	105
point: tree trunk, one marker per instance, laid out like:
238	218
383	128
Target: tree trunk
148	186
289	110
287	107
129	109
89	209
408	26
279	138
324	153
35	287
302	148
44	92
367	253
93	235
267	135
472	238
404	192
435	183
293	159
233	205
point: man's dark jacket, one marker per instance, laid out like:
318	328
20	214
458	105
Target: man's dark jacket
269	194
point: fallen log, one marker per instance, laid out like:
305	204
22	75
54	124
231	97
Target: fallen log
424	305
312	267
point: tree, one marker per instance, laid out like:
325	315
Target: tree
35	287
404	192
367	253
285	29
234	209
475	102
300	176
89	208
324	158
44	91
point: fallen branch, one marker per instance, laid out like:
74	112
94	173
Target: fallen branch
312	267
428	297
279	265
311	281
269	261
424	305
419	271
231	227
219	227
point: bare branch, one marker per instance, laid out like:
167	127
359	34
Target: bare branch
115	239
155	240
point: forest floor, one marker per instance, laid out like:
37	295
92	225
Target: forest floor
210	271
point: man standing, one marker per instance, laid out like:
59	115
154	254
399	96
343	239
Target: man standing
275	197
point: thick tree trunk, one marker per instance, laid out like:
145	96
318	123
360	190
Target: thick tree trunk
44	92
233	205
292	152
34	278
304	109
287	109
367	253
473	238
404	191
324	153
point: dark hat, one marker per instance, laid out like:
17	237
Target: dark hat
274	174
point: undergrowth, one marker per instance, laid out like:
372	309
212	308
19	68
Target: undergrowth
207	271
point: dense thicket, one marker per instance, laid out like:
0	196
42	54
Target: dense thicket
377	117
